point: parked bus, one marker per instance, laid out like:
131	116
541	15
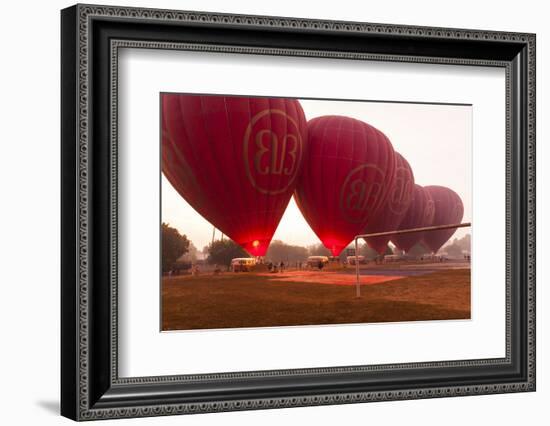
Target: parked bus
317	261
242	264
360	259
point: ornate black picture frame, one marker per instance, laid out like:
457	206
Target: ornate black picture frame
90	38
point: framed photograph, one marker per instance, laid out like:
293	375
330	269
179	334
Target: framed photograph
263	212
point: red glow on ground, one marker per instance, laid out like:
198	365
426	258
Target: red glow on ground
314	277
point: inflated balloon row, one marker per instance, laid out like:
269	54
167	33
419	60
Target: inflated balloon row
238	160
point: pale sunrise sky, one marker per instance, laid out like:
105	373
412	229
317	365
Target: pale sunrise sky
436	140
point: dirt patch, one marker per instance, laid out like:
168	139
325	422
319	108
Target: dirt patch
268	300
316	277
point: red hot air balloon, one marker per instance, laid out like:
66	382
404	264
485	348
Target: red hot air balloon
347	175
419	215
390	216
235	160
448	211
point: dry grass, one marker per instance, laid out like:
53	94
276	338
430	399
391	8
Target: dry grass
250	300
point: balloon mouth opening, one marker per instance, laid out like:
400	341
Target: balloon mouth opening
378	245
256	247
334	248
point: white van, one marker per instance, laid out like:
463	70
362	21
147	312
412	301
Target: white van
360	259
242	264
315	261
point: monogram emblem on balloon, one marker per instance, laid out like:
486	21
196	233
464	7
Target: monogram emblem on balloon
429	211
273	150
360	193
393	212
400	198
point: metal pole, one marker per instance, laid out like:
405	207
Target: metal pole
357	286
410	231
404	231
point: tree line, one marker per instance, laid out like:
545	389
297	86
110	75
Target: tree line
220	252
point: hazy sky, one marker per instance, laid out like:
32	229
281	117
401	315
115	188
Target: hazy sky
436	140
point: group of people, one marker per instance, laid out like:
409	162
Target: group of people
271	266
276	267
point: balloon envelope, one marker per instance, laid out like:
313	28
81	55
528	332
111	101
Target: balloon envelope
348	172
235	160
419	215
392	213
448	210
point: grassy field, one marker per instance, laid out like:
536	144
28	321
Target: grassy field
251	300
